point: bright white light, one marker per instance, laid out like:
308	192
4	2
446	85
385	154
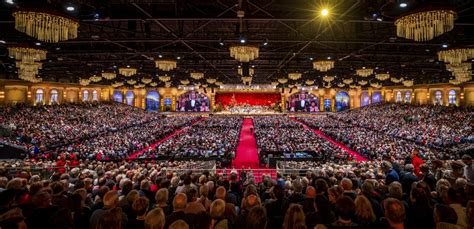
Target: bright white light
2	42
37	43
242	41
160	56
70	8
403	5
445	46
325	12
329	57
9	2
179	58
265	44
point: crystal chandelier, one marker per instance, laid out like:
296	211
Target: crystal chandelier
382	76
454	82
117	84
328	78
244	53
153	84
184	82
376	85
109	75
26	54
395	80
196	75
164	78
348	81
456	56
127	71
353	86
425	25
323	65
45	26
363	82
407	83
95	78
84	82
146	80
341	85
309	82
167	84
139	85
294	76
219	83
364	72
131	82
283	80
165	65
274	83
211	80
29	67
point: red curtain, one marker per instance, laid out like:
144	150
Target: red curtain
267	99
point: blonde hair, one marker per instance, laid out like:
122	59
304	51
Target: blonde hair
155	219
161	196
295	217
364	209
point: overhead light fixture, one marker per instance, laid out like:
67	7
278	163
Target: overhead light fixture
178	58
243	40
265	43
403	5
294	75
196	75
9	2
160	56
38	43
165	65
2	42
70	8
221	43
444	45
244	53
127	71
364	72
324	12
323	65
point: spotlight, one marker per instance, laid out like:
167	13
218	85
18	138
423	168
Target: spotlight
9	2
311	58
128	66
444	45
221	43
329	58
58	48
70	8
265	43
38	43
178	58
2	42
379	19
243	40
160	56
324	12
403	5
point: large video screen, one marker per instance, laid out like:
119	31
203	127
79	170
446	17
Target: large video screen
302	102
193	101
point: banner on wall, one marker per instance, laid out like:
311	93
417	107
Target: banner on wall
193	101
302	102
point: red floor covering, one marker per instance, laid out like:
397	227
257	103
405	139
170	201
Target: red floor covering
354	154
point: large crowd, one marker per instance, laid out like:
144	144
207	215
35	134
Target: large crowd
280	134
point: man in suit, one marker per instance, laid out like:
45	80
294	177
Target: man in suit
302	104
192	104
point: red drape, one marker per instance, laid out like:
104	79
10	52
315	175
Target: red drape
253	99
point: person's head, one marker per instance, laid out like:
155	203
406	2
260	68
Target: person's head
321	186
179	202
112	218
257	218
155	219
192	95
414	153
457	167
345	208
364	211
294	217
251	201
409	168
302	96
221	193
394	211
179	224
467	160
278	192
445	214
41	199
217	209
334	193
111	199
346	184
140	206
395	190
204	191
161	196
385	166
310	192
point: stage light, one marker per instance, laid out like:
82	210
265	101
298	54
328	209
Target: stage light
403	5
265	43
178	58
444	45
9	2
37	43
70	8
379	19
324	12
2	42
243	40
311	58
160	56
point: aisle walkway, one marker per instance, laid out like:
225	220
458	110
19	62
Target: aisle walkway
152	146
354	154
247	153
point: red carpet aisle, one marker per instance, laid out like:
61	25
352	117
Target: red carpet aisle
152	146
349	151
247	153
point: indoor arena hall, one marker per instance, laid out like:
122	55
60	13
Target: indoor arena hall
236	114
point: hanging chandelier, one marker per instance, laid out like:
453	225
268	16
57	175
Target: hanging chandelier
328	85
167	84
363	82
219	83
184	82
407	83
95	78
109	75
246	79
341	85
283	80
244	53
382	76
364	72
146	80
29	67
426	24
353	86
211	80
164	78
376	85
456	56
251	71
294	76
84	82
45	26
323	65
454	82
139	85
396	80
462	67
131	82
328	78
127	71
309	82
154	84
117	84
274	83
348	81
165	65
196	75
27	54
